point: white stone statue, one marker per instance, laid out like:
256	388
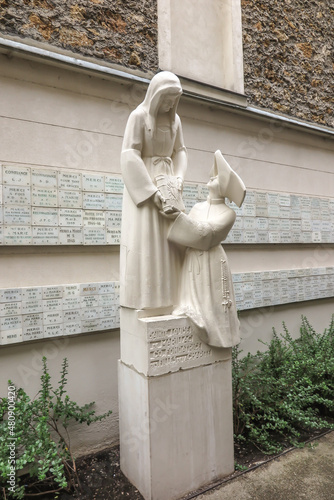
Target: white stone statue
153	161
206	293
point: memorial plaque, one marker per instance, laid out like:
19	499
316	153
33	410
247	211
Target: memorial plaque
108	323
44	197
236	236
113	184
71	290
70	217
296	237
249	210
286	237
274	237
94	236
273	198
325	214
69	180
95	201
106	288
92	182
237	277
10	294
72	316
90	301
11	336
274	224
10	323
45	235
90	313
284	200
247	286
32	333
93	219
16	176
203	192
238	223
87	289
44	178
261	211
15	195
52	305
295	212
113	219
17	215
295	224
262	223
316	225
250	197
32	306
248	277
257	276
249	222
262	237
70	303
285	212
285	225
316	237
305	202
90	325
306	213
52	292
188	204
306	225
70	199
190	191
44	216
17	235
72	328
70	236
113	236
294	200
52	317
32	293
273	211
324	203
248	304
260	198
53	330
326	237
250	237
10	308
238	287
315	203
326	225
307	236
114	202
32	319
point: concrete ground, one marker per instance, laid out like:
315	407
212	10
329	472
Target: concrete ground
302	474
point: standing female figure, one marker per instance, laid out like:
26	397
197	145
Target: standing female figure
153	146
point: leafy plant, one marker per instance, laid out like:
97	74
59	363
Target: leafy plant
41	437
288	389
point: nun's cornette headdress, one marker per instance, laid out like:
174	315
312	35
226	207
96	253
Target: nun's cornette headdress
230	184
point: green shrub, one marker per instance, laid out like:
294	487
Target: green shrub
288	389
40	434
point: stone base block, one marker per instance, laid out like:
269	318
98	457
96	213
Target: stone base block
176	429
154	345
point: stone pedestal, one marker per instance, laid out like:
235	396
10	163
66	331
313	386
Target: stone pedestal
175	396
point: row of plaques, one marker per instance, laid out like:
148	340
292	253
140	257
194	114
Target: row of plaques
50	311
270	288
34	313
45	206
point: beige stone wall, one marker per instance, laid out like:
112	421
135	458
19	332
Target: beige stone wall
288	55
66	119
118	32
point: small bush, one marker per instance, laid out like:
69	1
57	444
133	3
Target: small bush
288	389
40	434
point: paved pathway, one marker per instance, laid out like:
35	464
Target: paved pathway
302	474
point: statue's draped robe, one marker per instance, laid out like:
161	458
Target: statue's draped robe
149	263
206	292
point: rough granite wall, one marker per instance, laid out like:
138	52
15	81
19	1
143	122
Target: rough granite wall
288	44
118	31
289	57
